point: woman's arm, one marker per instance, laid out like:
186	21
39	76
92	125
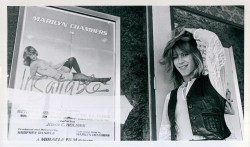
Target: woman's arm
164	132
213	56
214	61
33	70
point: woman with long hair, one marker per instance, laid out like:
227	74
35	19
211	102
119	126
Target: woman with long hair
195	109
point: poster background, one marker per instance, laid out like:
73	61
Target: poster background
56	43
42	117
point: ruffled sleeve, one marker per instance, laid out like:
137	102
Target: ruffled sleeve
164	132
213	56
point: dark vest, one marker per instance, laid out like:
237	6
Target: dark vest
206	111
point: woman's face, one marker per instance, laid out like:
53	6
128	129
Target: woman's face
184	63
33	57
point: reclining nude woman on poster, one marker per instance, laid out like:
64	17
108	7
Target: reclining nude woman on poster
195	109
60	72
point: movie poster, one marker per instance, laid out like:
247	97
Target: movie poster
62	84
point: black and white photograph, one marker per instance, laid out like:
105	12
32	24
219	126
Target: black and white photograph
152	75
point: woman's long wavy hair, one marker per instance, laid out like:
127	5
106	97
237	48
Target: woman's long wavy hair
28	51
187	44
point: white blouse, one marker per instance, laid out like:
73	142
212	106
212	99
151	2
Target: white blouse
214	59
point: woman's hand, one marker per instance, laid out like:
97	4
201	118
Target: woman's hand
229	108
190	30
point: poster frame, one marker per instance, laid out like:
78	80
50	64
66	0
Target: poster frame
74	10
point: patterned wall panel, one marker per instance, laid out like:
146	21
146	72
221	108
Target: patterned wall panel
230	13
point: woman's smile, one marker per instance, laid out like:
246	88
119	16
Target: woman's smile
183	67
184	63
